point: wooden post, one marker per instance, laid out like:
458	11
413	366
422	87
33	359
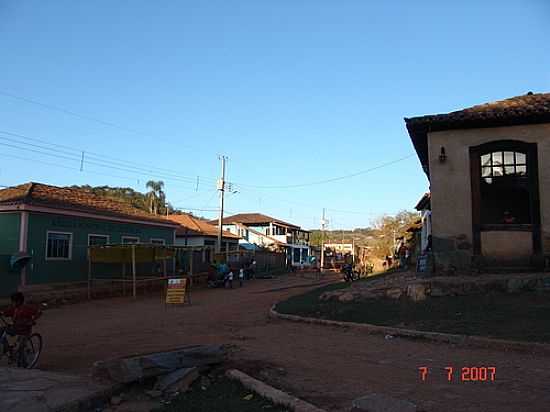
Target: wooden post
192	255
134	271
124	277
89	276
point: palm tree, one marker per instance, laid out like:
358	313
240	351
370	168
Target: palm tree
155	196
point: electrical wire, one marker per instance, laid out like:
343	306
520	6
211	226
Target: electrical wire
78	115
333	179
118	163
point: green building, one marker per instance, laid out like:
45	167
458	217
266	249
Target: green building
50	228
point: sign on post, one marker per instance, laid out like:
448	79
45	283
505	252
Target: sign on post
175	293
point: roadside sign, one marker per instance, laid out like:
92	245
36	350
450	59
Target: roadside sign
175	293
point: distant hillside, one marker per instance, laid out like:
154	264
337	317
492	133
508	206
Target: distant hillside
128	195
124	194
361	236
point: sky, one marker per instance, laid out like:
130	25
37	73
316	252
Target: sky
292	92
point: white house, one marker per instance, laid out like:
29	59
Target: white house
258	230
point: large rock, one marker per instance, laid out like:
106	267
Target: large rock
130	369
346	297
416	292
178	381
394	293
381	403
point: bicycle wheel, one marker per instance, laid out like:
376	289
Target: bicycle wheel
29	351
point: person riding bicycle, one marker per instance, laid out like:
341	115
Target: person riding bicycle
348	272
23	316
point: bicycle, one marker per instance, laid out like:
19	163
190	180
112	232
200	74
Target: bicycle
26	350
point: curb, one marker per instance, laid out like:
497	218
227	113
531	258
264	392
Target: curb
275	395
465	340
298	286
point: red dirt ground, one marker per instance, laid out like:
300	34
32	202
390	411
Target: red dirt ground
324	365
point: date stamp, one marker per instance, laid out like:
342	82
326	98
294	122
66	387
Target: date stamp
464	374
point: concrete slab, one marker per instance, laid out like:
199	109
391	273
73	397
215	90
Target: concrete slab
31	390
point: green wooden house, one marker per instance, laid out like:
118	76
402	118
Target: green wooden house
45	232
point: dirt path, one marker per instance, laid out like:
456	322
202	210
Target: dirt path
327	366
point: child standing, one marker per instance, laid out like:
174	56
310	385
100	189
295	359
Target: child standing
241	277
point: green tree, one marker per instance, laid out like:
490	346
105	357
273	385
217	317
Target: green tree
388	229
156	197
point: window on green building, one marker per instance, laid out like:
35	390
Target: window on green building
158	242
129	240
59	246
95	240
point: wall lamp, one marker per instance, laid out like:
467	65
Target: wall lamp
442	155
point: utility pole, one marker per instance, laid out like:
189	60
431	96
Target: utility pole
323	223
221	188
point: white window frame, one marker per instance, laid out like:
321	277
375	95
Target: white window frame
98	235
59	259
157	239
130	237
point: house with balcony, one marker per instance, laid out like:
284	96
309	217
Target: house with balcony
259	230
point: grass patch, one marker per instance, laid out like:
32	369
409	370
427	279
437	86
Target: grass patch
524	316
224	395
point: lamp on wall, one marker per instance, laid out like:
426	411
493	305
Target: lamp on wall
442	155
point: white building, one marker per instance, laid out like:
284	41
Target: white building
258	230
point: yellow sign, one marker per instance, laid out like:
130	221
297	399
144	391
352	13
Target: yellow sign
175	293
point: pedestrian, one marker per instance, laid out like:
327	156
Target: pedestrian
241	277
403	253
253	269
229	279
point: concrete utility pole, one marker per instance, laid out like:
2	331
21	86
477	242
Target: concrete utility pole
323	223
221	188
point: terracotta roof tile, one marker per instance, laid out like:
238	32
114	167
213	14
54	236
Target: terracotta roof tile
66	198
197	226
531	108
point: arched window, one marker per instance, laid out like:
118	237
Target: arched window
504	187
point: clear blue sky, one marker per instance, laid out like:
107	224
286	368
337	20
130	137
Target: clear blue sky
291	91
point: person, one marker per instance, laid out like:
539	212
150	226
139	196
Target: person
403	252
241	277
348	272
253	269
229	279
23	316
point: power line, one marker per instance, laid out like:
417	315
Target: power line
99	157
77	158
333	179
75	114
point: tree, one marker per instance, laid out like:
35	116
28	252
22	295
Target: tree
156	196
390	228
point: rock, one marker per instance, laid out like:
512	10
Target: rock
416	292
154	393
382	403
394	293
346	297
116	400
130	369
178	381
326	296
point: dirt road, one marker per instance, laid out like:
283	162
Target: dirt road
326	366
